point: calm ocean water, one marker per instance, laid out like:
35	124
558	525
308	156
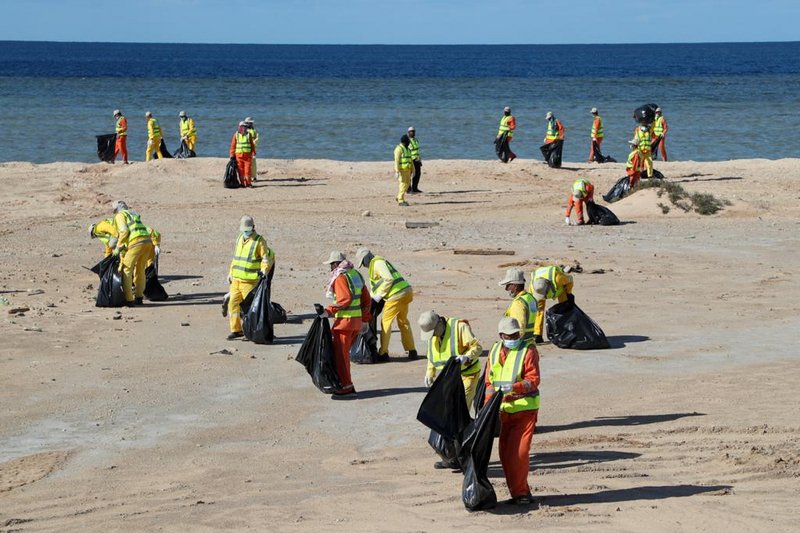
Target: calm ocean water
722	101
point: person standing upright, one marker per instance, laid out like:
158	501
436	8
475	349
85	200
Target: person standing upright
403	166
251	128
414	145
188	130
643	135
597	133
121	127
555	129
504	135
660	129
153	137
242	149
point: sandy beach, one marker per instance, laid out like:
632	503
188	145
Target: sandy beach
136	420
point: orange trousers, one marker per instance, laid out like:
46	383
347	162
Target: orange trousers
578	203
591	148
516	433
342	341
661	147
121	147
633	178
243	165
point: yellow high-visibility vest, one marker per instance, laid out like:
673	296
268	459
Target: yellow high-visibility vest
509	373
355	283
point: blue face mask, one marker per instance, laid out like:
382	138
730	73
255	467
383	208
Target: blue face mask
512	344
247	233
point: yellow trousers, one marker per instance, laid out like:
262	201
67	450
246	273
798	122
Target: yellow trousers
239	290
470	384
154	148
191	142
403	183
133	265
397	309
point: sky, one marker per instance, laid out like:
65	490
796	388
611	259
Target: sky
400	22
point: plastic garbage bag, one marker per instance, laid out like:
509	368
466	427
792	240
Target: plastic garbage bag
277	314
316	355
153	290
183	152
501	147
480	393
448	449
645	114
552	153
231	178
364	350
162	148
599	214
105	147
569	327
598	155
619	190
255	313
656	175
109	293
477	491
444	408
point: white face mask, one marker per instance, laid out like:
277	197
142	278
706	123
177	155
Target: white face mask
512	344
247	233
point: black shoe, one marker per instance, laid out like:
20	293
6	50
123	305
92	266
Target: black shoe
412	354
138	301
417	190
538	339
132	303
382	358
525	499
444	465
235	335
350	391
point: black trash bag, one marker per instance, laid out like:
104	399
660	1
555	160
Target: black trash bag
184	152
162	149
599	214
231	178
476	450
364	350
480	391
655	175
448	449
645	114
255	313
501	147
569	327
444	408
109	293
598	155
619	190
277	314
153	290
316	355
552	153
105	147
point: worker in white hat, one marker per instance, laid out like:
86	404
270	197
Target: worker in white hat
634	164
413	145
242	150
660	129
351	312
513	369
251	129
597	133
188	130
523	304
392	295
134	246
548	283
252	260
153	137
504	135
121	128
446	338
555	129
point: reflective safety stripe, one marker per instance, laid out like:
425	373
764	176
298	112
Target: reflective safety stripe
398	281
448	345
187	127
155	127
243	143
355	284
643	136
552	130
549	273
414	145
508	373
405	157
631	156
122	127
254	135
597	127
529	302
658	126
246	263
136	230
504	126
579	188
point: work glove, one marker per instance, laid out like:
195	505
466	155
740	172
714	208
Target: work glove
149	142
566	221
538	339
158	250
429	380
261	275
463	359
506	389
116	251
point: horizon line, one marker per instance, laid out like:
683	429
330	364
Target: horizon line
398	44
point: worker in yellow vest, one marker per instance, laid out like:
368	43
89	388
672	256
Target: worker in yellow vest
242	149
251	128
403	166
134	246
155	238
387	285
121	128
446	338
106	232
504	135
523	304
188	130
252	260
597	133
513	368
548	283
417	174
659	137
555	129
153	137
643	134
582	192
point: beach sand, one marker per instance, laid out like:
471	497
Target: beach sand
133	420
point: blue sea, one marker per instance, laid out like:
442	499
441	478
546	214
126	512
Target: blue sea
722	101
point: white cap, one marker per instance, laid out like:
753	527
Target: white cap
335	257
594	111
506	109
549	115
148	114
242	124
248	120
182	114
427	323
508	326
540	288
411	128
513	275
361	254
246	223
658	110
117	112
118	205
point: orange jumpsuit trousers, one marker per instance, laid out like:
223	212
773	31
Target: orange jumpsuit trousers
121	147
342	342
578	203
243	165
516	433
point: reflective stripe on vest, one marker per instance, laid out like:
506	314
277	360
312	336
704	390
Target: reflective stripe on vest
658	126
448	347
355	284
529	302
187	127
122	132
509	373
246	265
156	127
549	273
597	127
552	130
243	143
579	188
405	157
504	126
414	146
136	230
398	281
643	136
629	164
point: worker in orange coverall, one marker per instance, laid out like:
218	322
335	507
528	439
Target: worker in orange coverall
242	150
351	312
513	368
121	127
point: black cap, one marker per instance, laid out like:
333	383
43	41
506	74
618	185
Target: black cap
405	139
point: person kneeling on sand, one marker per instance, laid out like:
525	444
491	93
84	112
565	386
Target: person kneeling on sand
582	192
